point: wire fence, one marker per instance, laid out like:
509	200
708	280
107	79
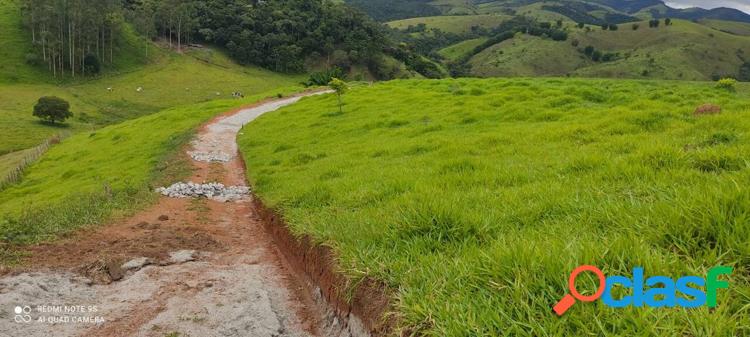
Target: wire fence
16	174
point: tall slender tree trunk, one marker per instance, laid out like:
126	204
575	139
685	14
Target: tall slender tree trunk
179	34
70	49
33	28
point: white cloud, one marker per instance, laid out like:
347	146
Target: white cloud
743	5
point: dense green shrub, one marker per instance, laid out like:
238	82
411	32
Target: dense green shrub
324	77
727	84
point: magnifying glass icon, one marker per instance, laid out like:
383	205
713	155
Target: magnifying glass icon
569	299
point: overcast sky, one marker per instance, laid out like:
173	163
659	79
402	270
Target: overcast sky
743	5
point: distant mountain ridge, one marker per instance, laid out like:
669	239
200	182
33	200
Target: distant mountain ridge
587	11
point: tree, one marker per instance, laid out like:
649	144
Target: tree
559	35
581	25
636	26
589	50
744	74
340	88
596	56
52	109
613	27
667	22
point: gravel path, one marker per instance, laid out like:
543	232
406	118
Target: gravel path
219	275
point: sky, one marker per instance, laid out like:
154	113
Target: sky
743	5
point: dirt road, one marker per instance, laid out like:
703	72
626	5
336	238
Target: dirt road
184	267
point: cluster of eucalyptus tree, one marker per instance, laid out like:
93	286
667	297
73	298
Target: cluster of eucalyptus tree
73	36
174	21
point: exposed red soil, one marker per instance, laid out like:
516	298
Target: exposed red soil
316	266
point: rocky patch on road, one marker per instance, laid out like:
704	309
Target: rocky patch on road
211	157
213	191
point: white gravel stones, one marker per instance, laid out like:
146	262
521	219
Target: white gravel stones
213	191
211	157
182	256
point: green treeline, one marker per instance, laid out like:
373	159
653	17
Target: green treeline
278	35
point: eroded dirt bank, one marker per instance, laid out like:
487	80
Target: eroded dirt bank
192	266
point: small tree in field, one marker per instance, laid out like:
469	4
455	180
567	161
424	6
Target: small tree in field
52	109
340	88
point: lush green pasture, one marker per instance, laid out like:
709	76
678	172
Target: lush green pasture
461	49
527	55
475	199
90	175
175	80
454	24
737	28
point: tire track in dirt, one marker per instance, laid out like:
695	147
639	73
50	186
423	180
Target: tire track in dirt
232	281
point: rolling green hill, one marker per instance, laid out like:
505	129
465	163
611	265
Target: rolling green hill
587	11
474	199
528	56
461	49
684	50
736	28
452	24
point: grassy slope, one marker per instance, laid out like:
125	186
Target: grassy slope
173	80
459	50
737	28
527	55
10	161
15	47
54	196
476	198
685	50
453	24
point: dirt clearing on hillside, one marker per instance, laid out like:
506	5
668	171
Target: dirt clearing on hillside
186	266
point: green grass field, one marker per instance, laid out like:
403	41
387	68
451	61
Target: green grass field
475	199
683	51
737	28
91	175
525	55
461	49
453	24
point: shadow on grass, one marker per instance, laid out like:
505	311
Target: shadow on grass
53	124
